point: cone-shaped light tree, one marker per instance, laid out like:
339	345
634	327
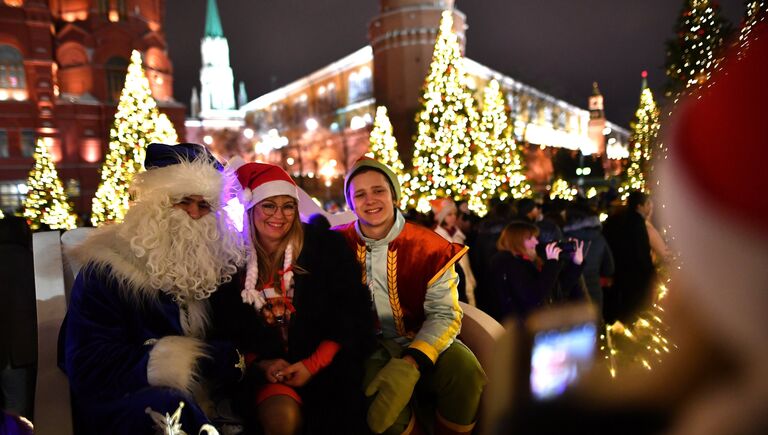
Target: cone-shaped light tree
138	123
692	55
447	126
498	160
46	202
756	12
645	129
384	149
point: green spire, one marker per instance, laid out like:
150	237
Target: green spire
212	22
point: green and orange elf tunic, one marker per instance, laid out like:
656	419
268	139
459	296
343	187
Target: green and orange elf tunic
413	282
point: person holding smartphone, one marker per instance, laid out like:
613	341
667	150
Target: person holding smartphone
521	279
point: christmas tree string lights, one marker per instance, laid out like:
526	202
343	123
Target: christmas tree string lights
383	147
645	129
447	126
46	203
498	160
693	55
138	123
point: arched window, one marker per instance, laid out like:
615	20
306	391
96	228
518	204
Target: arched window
13	82
116	69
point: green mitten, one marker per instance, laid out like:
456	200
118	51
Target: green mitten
394	384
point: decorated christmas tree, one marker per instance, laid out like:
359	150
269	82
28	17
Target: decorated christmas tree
447	126
498	160
693	54
138	123
756	12
645	128
562	190
46	202
384	148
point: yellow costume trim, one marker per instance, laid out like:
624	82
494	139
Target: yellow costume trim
447	265
453	329
361	260
425	348
456	427
394	297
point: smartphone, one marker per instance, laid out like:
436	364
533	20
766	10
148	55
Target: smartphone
563	343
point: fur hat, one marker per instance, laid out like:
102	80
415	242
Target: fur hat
176	171
441	208
367	162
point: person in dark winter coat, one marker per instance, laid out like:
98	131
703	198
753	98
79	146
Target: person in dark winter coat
301	314
627	236
523	281
488	231
583	224
18	341
136	338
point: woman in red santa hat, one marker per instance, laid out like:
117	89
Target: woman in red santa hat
302	315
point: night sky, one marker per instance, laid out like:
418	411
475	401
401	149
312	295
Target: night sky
557	46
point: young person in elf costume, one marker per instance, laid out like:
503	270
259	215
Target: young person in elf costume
410	272
302	315
136	339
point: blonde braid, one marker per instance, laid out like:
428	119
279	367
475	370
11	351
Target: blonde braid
249	294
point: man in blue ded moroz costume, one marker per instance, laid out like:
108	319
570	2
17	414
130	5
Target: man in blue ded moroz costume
135	341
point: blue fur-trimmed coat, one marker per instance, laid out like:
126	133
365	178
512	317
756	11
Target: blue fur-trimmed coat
124	349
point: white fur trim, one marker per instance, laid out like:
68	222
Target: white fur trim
234	163
195	323
723	261
272	188
182	179
104	247
173	363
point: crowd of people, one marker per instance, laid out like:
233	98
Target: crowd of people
529	253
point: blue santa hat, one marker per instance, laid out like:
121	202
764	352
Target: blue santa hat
160	155
176	171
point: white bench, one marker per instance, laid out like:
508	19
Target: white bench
53	412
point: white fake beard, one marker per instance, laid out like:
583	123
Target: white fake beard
185	257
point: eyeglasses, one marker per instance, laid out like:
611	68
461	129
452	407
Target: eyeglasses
270	208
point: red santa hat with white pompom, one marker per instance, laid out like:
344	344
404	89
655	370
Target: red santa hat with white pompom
714	197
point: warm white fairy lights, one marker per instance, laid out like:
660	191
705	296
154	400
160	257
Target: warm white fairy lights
46	203
138	123
447	126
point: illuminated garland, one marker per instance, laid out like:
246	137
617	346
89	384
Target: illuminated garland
138	123
384	149
46	202
561	189
498	160
645	129
643	342
692	56
447	125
